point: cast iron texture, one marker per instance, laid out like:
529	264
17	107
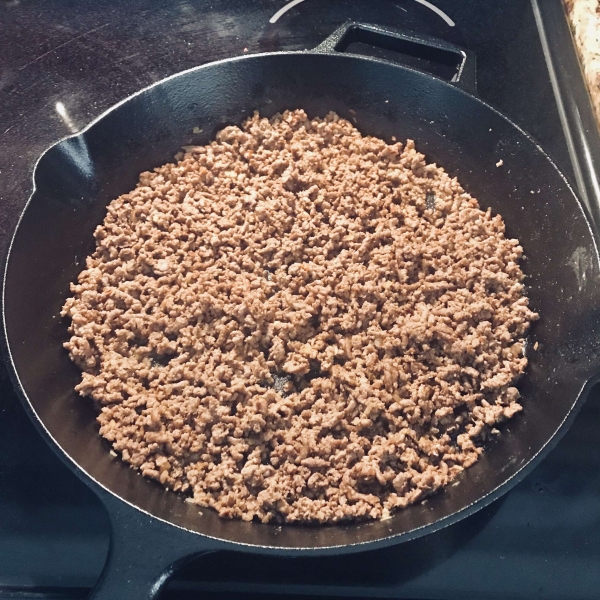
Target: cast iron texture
154	530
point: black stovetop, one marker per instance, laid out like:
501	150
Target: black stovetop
539	541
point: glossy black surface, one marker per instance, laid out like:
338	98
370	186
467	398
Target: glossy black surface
559	502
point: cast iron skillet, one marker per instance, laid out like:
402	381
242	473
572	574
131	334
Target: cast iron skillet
153	531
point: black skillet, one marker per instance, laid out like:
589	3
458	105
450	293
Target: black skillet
154	531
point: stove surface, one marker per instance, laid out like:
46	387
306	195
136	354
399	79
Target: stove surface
63	64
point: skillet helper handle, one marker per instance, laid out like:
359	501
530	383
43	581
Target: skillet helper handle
414	45
143	554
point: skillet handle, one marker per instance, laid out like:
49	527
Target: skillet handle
414	45
144	552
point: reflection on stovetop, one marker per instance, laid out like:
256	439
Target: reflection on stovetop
63	64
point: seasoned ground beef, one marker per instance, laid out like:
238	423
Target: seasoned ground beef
300	323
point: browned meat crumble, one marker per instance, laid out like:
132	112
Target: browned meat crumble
299	323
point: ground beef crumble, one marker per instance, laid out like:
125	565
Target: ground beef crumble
296	323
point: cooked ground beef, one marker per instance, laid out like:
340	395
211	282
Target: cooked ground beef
300	323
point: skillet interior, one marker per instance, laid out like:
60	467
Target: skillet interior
78	177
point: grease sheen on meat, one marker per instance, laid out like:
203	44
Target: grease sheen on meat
300	323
